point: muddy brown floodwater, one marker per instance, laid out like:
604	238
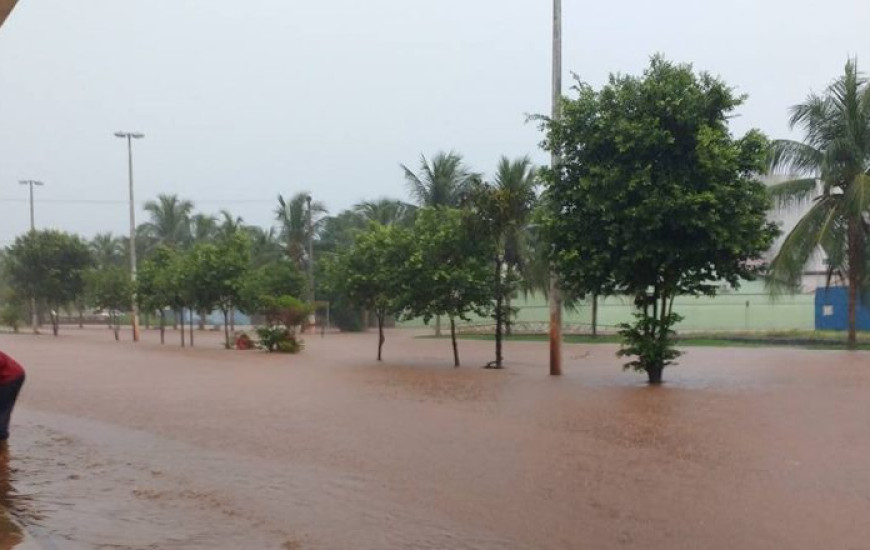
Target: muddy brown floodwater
149	447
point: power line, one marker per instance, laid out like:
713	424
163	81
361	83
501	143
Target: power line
122	201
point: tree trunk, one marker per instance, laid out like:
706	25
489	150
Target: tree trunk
81	318
162	327
453	338
226	330
498	338
180	317
508	327
655	375
175	319
55	322
365	320
191	327
437	326
381	337
594	315
201	321
116	327
499	316
854	275
148	321
233	320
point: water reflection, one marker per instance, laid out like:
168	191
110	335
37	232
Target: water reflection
11	534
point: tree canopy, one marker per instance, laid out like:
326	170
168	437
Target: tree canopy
653	197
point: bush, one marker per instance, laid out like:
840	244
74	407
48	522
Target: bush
278	338
651	340
11	317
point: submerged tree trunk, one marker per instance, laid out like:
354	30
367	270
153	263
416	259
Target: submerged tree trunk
594	315
508	328
654	374
180	317
855	247
162	327
55	321
499	316
226	330
453	339
381	337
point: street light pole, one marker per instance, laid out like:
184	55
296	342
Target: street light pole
555	297
134	309
311	318
34	318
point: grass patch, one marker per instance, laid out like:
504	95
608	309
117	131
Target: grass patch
793	339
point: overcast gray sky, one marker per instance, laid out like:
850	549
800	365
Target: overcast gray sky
242	100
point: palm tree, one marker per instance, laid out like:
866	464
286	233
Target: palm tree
265	245
516	182
442	182
293	224
229	224
170	220
109	250
386	211
338	232
833	165
203	228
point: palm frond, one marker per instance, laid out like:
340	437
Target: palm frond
793	192
790	158
817	226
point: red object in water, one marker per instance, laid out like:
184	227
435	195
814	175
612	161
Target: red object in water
243	342
10	369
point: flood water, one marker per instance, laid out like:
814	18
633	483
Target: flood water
148	447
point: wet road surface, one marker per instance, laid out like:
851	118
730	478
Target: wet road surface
116	446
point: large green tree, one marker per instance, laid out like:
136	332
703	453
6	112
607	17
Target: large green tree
49	267
831	166
370	273
440	183
109	289
217	272
448	269
654	198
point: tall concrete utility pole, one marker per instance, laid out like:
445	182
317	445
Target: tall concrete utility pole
134	307
311	318
555	298
5	9
34	318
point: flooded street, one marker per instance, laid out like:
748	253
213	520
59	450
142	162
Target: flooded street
148	447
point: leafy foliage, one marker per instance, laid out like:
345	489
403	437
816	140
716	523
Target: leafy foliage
370	274
653	197
440	183
48	266
833	166
447	271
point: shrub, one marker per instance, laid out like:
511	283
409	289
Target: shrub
278	338
11	317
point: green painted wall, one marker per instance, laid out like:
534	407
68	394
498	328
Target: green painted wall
749	308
